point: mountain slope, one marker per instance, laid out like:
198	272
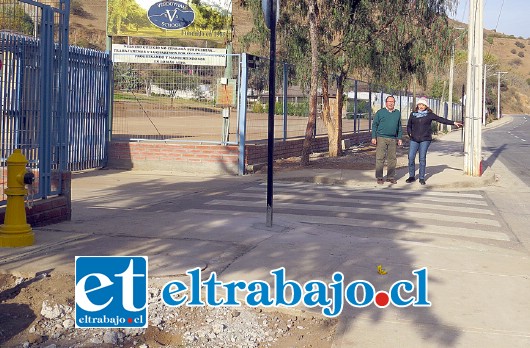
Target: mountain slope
506	53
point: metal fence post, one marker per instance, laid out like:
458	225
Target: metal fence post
370	107
46	86
110	99
63	90
285	71
242	126
355	107
400	104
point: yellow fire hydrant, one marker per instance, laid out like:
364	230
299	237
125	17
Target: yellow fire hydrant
16	232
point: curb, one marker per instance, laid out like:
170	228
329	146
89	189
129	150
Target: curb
488	178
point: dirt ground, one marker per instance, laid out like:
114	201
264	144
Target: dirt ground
357	157
24	323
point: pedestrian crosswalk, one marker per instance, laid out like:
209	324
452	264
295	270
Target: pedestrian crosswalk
466	214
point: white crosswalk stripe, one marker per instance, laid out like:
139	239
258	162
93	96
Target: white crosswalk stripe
429	212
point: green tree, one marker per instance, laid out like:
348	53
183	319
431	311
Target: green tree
126	78
391	42
438	89
122	13
490	59
136	19
207	17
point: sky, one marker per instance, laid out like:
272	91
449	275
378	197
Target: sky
506	16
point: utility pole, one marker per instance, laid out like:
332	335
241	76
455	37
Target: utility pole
499	114
472	124
484	78
451	79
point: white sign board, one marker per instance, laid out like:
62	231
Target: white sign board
168	55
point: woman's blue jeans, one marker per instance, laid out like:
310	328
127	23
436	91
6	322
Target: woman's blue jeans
414	147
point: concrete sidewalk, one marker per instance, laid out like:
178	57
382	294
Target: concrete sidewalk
445	161
479	288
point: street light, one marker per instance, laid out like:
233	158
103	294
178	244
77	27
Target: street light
499	114
484	94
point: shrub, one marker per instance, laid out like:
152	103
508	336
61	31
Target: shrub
363	106
489	39
514	51
519	44
434	128
76	8
258	108
516	62
490	117
293	109
521	54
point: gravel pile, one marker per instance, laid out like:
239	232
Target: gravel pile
173	327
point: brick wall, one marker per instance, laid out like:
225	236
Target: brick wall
257	154
169	156
208	158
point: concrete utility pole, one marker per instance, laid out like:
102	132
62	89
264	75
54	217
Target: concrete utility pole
484	78
472	124
451	79
485	94
499	114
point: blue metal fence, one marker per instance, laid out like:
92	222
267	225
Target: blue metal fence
54	100
88	108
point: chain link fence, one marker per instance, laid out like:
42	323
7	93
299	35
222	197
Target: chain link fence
175	102
361	101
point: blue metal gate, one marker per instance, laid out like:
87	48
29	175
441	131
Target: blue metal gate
89	78
54	99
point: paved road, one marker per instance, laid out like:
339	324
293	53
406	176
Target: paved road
510	144
507	153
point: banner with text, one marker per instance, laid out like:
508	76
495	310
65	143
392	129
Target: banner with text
168	55
201	19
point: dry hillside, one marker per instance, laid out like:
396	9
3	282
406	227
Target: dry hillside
508	53
505	53
87	23
513	56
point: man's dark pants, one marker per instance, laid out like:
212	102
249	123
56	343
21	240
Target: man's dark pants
385	146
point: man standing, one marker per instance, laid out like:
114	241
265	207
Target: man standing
386	130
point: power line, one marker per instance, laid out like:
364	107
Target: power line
499	18
496	26
464	12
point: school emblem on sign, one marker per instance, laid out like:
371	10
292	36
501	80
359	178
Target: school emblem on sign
171	15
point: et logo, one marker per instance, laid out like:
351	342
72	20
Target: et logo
111	291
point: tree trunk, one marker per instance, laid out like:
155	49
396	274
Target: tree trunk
335	135
311	121
333	121
333	124
326	108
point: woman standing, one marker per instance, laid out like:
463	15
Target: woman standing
420	133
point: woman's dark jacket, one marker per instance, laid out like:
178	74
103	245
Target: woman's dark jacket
419	128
